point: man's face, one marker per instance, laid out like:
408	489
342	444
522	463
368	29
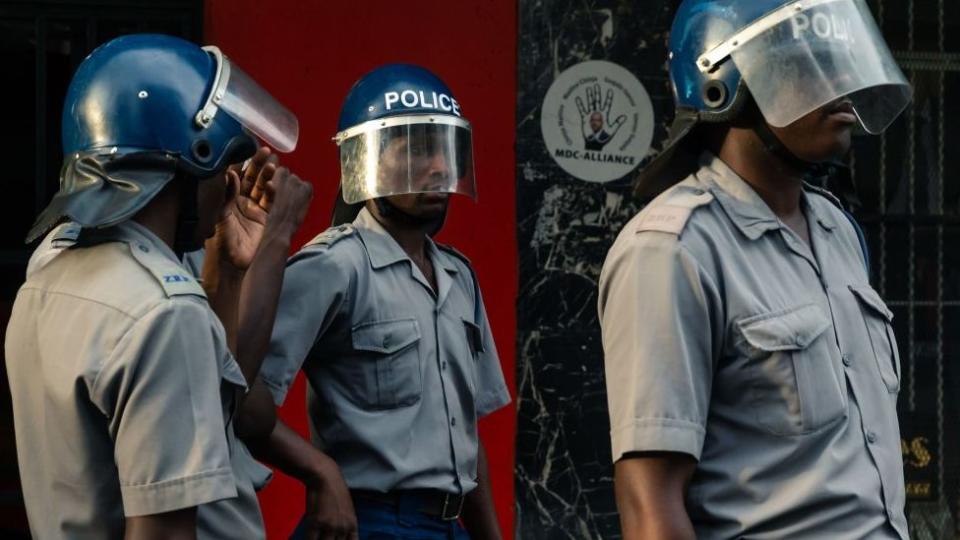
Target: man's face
822	135
596	122
424	163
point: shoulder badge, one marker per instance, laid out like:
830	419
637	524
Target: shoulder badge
670	212
332	235
173	278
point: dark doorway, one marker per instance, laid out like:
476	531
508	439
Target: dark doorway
41	44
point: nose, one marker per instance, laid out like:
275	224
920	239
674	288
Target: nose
438	167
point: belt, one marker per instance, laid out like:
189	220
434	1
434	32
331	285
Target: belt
432	502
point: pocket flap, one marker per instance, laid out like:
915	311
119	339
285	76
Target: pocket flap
793	329
385	336
868	296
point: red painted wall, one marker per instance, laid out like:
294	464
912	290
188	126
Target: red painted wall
308	53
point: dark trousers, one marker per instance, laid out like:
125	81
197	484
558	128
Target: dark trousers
403	521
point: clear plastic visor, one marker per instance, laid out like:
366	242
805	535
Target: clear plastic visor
248	103
413	154
809	54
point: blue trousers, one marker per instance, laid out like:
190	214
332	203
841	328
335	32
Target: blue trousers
381	521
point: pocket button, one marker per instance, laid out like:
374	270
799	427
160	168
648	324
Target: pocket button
846	360
871	437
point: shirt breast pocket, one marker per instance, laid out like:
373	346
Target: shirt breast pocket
794	388
878	318
388	370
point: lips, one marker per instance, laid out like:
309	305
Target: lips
843	111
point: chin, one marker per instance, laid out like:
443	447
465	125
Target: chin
829	147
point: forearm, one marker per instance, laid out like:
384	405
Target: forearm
479	515
640	521
259	296
257	415
295	456
651	499
175	525
222	282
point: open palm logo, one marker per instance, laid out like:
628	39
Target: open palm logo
597	121
598	130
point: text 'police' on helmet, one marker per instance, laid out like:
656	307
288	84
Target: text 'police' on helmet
416	99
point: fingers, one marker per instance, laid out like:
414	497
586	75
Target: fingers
322	531
269	183
233	187
264	174
618	123
295	193
252	167
608	103
595	103
263	192
581	107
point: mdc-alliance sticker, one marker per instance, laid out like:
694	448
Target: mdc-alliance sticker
597	121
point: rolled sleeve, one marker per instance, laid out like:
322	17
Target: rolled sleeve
314	289
161	390
657	319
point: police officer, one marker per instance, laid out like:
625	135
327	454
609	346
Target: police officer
122	376
752	371
389	326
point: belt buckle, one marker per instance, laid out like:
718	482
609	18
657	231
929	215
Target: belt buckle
446	507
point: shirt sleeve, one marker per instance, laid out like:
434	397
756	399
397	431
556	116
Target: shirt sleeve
315	287
161	391
659	323
492	393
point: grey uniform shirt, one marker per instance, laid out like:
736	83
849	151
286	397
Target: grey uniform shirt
123	389
772	363
398	373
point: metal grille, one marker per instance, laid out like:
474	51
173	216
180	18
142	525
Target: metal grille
910	212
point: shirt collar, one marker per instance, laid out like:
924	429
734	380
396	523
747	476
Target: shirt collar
744	206
142	237
383	250
131	232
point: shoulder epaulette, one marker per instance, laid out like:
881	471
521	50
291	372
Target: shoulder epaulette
332	235
173	278
670	212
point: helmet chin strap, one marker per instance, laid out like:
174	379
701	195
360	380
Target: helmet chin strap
773	145
188	218
390	211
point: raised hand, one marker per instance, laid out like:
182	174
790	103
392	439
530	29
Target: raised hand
595	114
286	199
243	219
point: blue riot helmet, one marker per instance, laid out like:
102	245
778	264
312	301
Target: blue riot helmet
789	57
143	109
402	131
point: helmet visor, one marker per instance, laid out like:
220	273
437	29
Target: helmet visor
806	55
238	95
412	154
